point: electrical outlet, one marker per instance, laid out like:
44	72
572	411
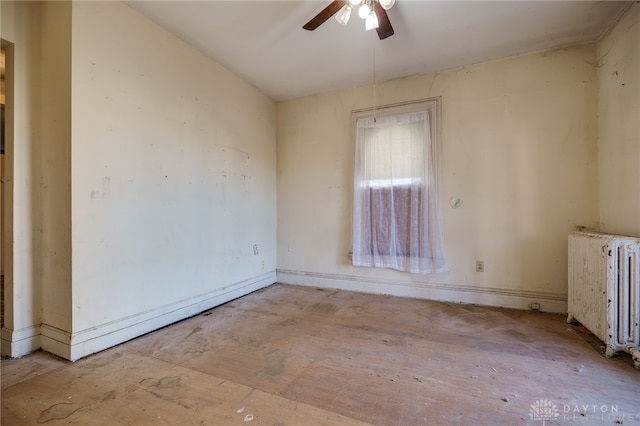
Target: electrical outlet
479	266
262	264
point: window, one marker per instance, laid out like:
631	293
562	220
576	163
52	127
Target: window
396	221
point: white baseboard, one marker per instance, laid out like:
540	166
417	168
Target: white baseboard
17	343
86	342
95	339
515	299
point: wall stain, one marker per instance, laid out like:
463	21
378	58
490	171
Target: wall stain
104	191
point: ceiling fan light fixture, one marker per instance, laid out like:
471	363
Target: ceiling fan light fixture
387	4
371	22
371	11
364	11
344	14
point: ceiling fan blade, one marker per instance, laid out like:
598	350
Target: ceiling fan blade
324	14
384	25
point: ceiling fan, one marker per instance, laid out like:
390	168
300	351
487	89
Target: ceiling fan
374	12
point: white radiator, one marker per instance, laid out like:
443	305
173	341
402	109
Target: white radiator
604	289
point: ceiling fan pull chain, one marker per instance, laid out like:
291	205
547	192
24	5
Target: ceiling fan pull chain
375	101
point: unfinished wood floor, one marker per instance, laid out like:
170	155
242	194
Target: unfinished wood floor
290	355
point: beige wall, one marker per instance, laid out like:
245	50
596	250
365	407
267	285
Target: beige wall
619	125
20	28
37	228
155	164
158	167
2	98
518	146
54	192
173	167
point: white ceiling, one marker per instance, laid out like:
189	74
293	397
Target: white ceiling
263	41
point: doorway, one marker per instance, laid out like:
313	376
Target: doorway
2	169
6	138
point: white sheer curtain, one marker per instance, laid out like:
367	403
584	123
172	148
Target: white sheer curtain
396	222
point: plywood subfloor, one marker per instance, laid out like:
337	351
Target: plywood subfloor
291	355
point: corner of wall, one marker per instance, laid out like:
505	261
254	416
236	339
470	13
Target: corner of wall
618	76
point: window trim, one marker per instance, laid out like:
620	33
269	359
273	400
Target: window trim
432	105
436	261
